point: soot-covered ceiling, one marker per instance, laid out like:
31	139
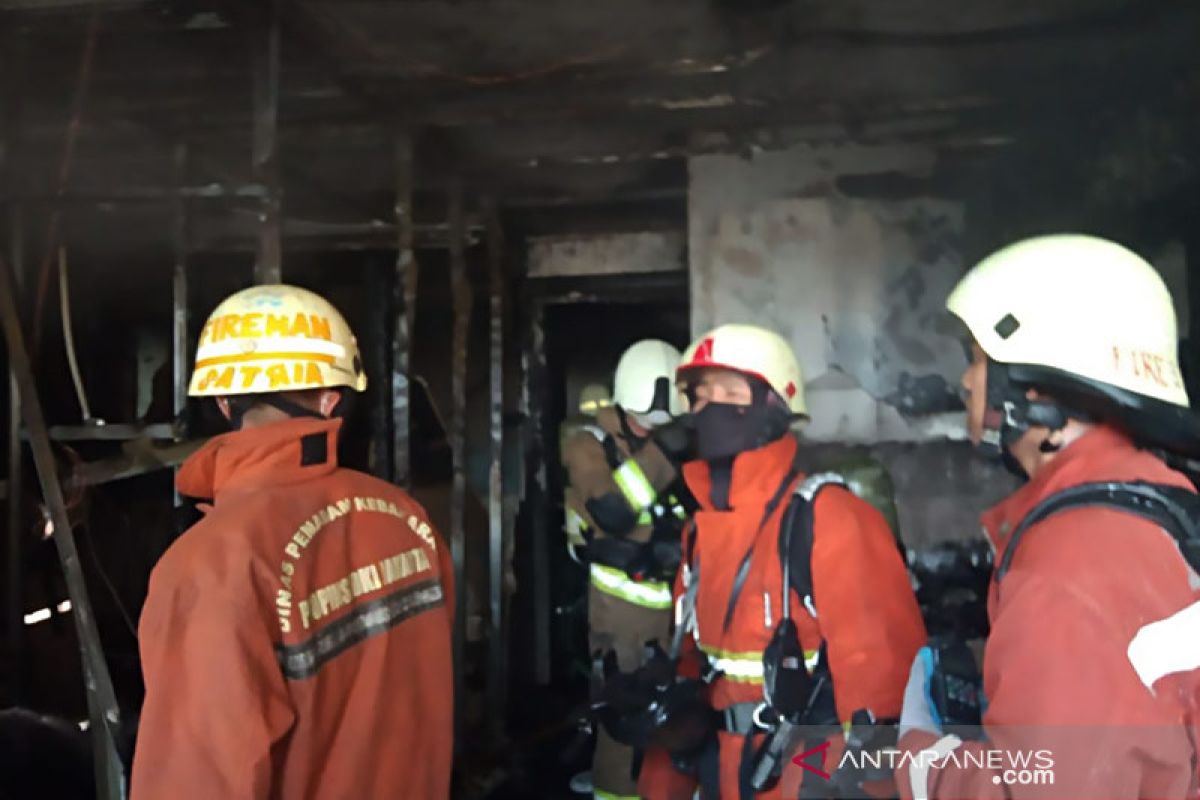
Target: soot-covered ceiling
562	108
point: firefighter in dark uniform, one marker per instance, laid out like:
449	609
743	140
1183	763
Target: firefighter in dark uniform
626	503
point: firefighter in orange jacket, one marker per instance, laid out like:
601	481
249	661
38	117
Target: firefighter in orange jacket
1091	672
745	389
296	641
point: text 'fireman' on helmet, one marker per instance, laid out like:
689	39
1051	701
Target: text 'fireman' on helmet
275	339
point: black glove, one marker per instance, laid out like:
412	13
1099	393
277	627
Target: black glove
677	439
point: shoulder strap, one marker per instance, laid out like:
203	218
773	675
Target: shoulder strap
611	452
1175	509
796	539
739	580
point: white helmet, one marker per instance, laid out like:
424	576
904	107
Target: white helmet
1083	318
644	382
753	351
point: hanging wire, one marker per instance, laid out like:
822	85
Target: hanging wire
64	294
64	174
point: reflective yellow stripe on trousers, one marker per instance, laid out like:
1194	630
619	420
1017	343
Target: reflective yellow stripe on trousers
600	794
746	667
648	594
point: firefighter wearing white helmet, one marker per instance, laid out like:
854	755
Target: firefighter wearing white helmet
644	382
253	603
715	366
1074	379
625	503
1088	322
844	626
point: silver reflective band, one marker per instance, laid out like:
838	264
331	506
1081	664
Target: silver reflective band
1167	646
918	773
739	669
305	659
747	667
648	594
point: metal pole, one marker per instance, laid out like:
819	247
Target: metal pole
535	397
16	576
179	293
14	599
497	641
268	268
102	704
404	298
179	302
379	280
461	290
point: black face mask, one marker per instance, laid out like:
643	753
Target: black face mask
723	430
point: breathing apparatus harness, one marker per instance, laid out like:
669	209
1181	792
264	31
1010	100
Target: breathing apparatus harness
956	685
658	558
1154	424
655	706
797	701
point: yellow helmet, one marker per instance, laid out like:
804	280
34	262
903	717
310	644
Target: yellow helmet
275	339
592	398
753	351
1085	319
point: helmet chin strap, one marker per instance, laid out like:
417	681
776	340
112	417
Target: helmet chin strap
239	406
1010	415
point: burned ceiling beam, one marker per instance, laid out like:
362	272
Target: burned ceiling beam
338	237
264	43
140	194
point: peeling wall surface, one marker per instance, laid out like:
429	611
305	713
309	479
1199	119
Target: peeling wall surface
607	254
857	286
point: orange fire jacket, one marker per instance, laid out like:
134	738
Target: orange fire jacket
867	615
296	643
1067	691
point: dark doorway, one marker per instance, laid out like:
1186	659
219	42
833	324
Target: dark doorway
576	332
